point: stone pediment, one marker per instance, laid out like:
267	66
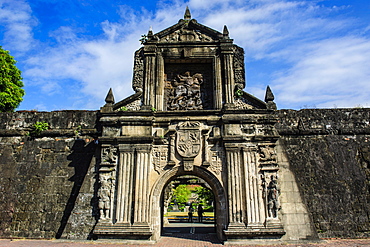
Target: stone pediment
187	31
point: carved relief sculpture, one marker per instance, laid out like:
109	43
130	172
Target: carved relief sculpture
185	92
105	193
273	204
267	154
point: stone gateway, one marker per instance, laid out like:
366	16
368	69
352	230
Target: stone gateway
190	116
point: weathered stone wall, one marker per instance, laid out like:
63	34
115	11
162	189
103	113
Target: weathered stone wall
329	154
47	180
48	185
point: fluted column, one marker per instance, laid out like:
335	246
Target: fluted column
124	188
141	199
254	200
149	77
218	84
159	90
235	185
229	77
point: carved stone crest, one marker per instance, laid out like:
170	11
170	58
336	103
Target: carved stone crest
188	140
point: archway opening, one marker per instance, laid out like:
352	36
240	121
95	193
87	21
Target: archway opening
188	207
219	204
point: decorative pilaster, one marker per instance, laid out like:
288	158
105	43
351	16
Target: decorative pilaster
235	191
149	77
159	90
218	94
107	179
254	203
125	186
141	199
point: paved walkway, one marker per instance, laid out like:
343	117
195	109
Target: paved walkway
197	241
178	235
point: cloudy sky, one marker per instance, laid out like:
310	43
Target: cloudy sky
313	54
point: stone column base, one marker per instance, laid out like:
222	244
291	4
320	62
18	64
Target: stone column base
234	233
123	231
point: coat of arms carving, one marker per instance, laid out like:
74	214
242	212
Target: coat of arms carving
188	141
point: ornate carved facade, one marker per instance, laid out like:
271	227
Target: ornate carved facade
189	116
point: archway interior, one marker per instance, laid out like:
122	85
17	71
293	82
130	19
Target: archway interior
188	206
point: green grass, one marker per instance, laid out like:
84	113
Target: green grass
207	214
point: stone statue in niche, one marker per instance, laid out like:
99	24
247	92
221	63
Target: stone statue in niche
105	193
185	92
273	204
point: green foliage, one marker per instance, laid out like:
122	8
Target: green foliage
181	193
38	127
239	93
205	195
123	108
11	84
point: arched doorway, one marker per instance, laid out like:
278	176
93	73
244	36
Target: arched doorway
188	207
220	212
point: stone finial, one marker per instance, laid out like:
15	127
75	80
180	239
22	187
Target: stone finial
269	99
150	32
225	32
109	100
269	95
187	15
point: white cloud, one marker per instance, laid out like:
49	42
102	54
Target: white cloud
318	59
15	16
333	72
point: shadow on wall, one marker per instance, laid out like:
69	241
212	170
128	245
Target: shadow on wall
80	158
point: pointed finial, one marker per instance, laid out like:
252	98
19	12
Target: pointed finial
110	98
187	15
269	99
150	32
226	32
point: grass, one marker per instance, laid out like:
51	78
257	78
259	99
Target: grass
206	214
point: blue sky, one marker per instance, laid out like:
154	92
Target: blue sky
313	54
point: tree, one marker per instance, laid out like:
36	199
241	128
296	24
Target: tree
181	193
11	84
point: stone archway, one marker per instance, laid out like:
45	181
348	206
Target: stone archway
217	188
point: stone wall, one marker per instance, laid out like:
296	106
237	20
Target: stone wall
329	153
47	180
48	186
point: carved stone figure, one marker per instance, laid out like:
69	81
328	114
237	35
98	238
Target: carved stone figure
273	204
267	153
109	155
105	193
185	93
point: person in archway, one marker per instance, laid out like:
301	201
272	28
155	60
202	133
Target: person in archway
190	213
200	213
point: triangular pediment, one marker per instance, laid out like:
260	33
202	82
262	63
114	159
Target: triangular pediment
187	31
